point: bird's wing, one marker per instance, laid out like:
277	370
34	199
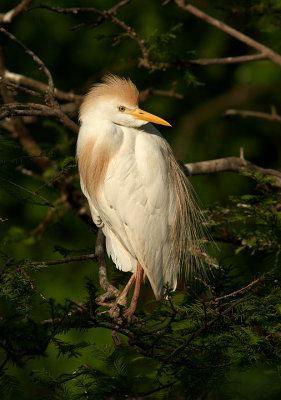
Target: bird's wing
139	206
94	212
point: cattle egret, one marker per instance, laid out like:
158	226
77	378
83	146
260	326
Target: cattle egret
137	192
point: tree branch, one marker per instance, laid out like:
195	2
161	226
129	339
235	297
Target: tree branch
9	16
202	113
110	290
115	8
265	51
16	125
36	109
42	66
144	94
273	117
27	190
85	257
107	15
255	282
228	60
42	87
208	325
233	164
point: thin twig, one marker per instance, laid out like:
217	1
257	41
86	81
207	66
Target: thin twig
264	50
255	282
78	304
112	10
144	94
42	66
17	127
31	284
40	110
273	117
228	60
110	290
107	15
233	164
208	325
18	87
27	190
85	257
9	16
162	387
91	320
38	85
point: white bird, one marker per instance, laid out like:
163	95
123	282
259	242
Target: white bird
137	192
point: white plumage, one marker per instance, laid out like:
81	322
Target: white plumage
136	191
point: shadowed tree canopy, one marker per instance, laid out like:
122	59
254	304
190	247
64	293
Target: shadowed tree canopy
213	70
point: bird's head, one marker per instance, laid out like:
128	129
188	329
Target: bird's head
116	100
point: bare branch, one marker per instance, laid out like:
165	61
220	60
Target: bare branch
17	127
264	50
37	85
115	8
228	60
112	10
9	16
188	123
42	66
255	282
16	87
66	121
273	117
85	257
108	15
40	110
110	290
73	99
27	190
233	164
156	92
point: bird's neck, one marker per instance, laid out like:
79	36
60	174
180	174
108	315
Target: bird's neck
96	146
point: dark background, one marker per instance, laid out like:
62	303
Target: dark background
79	57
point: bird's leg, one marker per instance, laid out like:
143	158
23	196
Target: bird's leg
114	310
130	311
122	299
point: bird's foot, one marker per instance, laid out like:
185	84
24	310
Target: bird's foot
116	338
115	307
129	313
117	316
110	294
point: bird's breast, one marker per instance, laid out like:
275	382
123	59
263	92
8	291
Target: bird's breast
94	154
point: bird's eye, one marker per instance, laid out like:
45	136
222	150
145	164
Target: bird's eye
122	108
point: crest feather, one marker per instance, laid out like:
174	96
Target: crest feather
112	86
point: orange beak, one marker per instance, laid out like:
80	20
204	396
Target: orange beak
145	116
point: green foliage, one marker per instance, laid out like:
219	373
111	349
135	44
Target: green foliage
253	220
174	347
161	47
